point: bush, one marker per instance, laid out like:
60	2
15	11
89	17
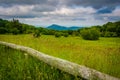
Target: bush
37	34
3	30
57	34
15	31
65	34
102	34
114	34
110	34
90	34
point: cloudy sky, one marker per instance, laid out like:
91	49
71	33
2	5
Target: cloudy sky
62	12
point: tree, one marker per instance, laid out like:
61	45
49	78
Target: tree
3	30
65	34
90	34
58	34
107	34
17	25
15	31
37	34
118	31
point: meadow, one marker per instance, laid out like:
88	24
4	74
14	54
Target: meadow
18	65
102	55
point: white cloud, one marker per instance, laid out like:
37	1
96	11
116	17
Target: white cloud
16	10
116	12
71	11
66	16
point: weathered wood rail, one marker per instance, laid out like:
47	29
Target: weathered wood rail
69	67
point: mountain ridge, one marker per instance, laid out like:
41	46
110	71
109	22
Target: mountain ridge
59	27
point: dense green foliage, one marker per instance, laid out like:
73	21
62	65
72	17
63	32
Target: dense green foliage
37	33
90	34
102	55
15	27
17	65
58	34
110	29
65	34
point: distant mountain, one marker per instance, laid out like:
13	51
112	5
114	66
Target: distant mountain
74	28
58	27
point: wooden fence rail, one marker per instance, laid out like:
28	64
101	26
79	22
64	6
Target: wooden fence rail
69	67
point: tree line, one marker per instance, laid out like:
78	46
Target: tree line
110	29
15	27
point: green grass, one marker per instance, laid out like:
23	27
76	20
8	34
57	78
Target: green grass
102	55
17	65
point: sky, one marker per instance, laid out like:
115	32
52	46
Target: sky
62	12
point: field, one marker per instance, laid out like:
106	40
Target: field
17	65
102	55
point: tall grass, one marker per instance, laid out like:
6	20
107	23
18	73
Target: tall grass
102	55
17	65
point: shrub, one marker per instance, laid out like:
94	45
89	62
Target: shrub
3	30
102	34
110	34
65	34
57	34
15	31
37	34
114	34
75	33
107	34
90	34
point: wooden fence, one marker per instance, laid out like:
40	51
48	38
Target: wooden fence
64	65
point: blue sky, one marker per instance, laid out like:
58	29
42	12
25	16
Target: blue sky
62	12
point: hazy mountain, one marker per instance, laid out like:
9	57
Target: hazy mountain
58	27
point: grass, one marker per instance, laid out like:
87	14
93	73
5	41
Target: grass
102	55
17	65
